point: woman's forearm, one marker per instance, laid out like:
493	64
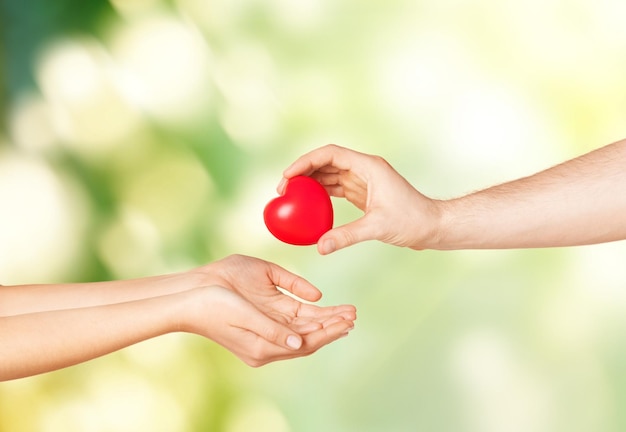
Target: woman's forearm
581	201
234	302
44	341
23	299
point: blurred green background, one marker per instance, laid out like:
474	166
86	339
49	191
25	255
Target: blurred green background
141	137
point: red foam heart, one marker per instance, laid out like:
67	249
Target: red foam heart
302	214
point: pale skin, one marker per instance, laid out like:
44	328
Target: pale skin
578	202
234	302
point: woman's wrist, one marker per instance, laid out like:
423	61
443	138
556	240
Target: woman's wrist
193	309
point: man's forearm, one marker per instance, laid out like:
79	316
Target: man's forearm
581	201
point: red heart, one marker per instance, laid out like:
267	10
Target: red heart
302	214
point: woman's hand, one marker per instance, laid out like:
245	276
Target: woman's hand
260	323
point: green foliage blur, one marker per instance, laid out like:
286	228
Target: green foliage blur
142	137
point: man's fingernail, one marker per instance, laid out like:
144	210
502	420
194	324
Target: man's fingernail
327	246
281	185
294	342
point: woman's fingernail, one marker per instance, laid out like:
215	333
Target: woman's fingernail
294	342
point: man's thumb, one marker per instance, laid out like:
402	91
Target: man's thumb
344	236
